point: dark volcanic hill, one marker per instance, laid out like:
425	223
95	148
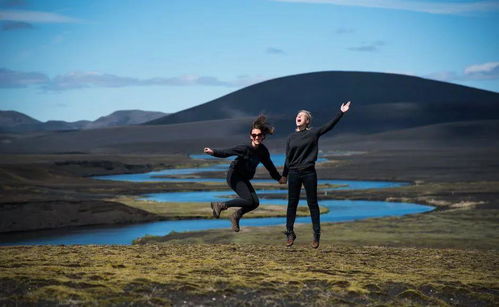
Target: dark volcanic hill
381	102
464	135
389	111
192	137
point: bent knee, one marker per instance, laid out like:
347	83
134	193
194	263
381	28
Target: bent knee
254	201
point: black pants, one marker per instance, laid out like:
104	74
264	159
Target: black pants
247	199
307	178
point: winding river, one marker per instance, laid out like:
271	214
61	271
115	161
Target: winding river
339	210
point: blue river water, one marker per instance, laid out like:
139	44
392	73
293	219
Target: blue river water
339	210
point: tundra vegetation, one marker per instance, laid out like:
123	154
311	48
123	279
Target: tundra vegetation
444	257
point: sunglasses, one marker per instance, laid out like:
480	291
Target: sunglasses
256	135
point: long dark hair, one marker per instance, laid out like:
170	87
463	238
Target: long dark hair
261	123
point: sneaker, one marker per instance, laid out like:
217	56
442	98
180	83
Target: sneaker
217	207
291	238
234	219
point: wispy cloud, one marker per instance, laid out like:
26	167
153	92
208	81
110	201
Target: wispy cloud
16	25
368	47
485	71
35	17
78	80
432	7
272	50
15	79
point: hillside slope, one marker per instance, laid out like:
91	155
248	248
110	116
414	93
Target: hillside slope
381	101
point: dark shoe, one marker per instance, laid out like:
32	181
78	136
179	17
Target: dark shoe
291	238
315	242
234	219
217	207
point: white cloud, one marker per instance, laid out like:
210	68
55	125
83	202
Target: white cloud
76	80
35	17
485	71
433	7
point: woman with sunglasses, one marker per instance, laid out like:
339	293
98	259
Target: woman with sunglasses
302	148
242	170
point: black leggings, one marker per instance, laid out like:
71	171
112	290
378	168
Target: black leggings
307	178
247	200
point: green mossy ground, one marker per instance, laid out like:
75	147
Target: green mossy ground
202	210
457	229
444	257
246	274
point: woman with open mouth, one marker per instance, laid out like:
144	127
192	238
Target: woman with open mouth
302	149
242	170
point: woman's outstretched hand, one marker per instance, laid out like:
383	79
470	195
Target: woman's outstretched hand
208	151
345	106
283	180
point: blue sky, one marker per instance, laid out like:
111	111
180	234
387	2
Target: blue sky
75	59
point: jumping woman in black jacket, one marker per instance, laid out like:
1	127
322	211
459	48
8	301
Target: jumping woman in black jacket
301	153
242	170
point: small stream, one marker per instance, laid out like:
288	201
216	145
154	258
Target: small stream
339	210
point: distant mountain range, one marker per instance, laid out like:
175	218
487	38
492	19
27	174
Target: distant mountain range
12	121
388	111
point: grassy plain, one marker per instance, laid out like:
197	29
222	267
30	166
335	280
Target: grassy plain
246	275
444	257
202	210
457	229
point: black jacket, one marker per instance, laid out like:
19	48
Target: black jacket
248	158
303	146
